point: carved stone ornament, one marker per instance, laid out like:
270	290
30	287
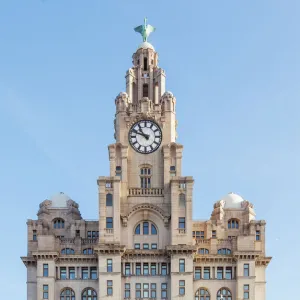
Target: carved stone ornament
124	220
142	116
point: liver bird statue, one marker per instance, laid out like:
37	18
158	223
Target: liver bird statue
145	30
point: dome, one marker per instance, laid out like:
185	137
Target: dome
232	201
146	45
59	200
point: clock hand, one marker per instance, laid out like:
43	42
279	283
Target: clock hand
146	136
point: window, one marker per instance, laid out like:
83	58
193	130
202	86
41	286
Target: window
181	287
138	290
145	63
182	185
67	251
163	269
214	234
45	270
93	273
127	269
127	290
109	265
45	291
95	234
220	273
153	290
109	223
88	251
137	246
145	228
224	251
233	224
109	200
84	273
58	224
181	224
206	274
138	229
153	230
146	246
89	294
145	269
181	200
153	269
34	235
172	170
202	294
246	291
203	251
119	171
153	246
181	265
108	185
71	273
224	294
109	287
145	175
77	234
198	273
164	291
257	236
146	290
138	269
67	294
63	273
228	273
246	270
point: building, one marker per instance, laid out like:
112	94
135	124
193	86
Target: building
145	244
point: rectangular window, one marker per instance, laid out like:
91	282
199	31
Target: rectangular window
137	246
145	228
164	291
138	292
85	273
181	287
214	234
146	246
164	269
63	273
34	235
202	235
89	234
95	234
206	274
93	273
246	270
109	287
77	233
220	273
45	291
127	269
153	269
181	223
257	235
145	269
146	290
198	273
138	269
71	273
45	270
109	223
181	265
153	290
127	290
229	273
246	291
153	246
109	265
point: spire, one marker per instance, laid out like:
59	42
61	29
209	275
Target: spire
145	30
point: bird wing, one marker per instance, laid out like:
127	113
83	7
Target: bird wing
150	28
139	29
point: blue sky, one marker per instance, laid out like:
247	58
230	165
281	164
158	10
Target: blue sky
234	69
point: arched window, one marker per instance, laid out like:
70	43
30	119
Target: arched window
225	292
233	224
67	251
58	223
224	251
145	63
202	294
203	251
109	200
88	251
67	294
145	177
146	225
145	90
89	294
181	200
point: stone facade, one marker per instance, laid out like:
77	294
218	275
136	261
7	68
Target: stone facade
145	244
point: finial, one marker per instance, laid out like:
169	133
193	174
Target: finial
145	30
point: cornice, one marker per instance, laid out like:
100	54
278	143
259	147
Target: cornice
109	249
77	258
28	261
181	249
45	255
140	253
214	258
263	261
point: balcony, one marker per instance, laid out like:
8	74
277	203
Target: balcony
145	192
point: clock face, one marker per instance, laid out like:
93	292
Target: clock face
145	136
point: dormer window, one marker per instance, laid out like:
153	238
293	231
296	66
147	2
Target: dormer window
145	90
58	224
